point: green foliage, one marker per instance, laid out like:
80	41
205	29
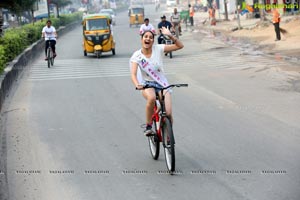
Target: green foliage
18	6
32	32
69	18
3	58
15	40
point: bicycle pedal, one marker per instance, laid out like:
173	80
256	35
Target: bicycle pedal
149	134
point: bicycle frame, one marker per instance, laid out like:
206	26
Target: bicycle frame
163	131
50	58
159	115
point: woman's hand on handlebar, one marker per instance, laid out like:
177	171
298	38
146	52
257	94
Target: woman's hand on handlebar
139	87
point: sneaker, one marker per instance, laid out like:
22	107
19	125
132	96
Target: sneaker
46	58
148	131
54	55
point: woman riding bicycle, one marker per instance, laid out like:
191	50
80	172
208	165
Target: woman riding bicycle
49	33
147	68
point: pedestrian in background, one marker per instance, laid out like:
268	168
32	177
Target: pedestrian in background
191	11
276	21
212	16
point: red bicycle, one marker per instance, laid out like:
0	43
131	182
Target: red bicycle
162	129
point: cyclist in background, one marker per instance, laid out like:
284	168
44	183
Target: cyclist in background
163	23
175	19
49	33
146	27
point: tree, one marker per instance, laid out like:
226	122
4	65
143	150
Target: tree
60	4
18	6
6	4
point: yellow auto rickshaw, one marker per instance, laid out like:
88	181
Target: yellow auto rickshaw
97	34
136	15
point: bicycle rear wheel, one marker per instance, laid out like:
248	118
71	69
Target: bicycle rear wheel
154	143
49	57
169	145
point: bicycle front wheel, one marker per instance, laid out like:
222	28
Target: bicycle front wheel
49	57
154	143
169	145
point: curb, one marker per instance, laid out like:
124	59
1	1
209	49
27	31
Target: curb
15	68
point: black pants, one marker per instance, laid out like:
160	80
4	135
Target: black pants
192	21
277	31
160	39
52	43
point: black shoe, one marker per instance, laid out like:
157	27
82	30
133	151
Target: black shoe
148	131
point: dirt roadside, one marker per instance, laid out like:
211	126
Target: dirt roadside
261	35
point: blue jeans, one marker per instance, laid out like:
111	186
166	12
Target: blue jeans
155	84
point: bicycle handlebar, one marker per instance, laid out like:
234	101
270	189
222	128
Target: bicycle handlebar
49	38
164	88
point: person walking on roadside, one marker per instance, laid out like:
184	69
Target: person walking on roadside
276	21
212	15
191	12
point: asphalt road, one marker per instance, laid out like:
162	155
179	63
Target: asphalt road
73	131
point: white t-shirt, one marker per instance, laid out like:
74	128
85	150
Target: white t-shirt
49	32
156	60
144	28
175	17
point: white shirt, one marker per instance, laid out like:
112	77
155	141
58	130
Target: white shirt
144	28
49	32
156	60
175	17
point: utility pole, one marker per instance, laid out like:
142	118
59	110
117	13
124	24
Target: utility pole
261	11
238	14
48	8
226	11
1	21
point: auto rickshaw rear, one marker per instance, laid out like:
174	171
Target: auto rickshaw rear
136	15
